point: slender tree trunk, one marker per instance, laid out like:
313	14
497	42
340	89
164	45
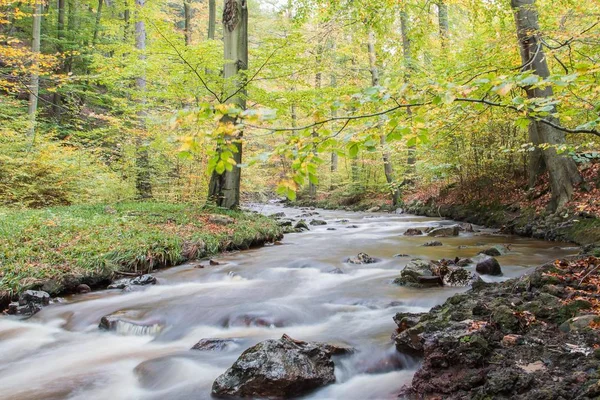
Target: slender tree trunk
562	169
408	65
34	85
143	183
60	34
312	187
387	162
97	24
187	22
212	19
443	23
224	189
126	22
333	84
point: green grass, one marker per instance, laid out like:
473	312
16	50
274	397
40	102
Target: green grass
57	248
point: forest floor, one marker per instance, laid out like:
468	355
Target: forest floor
57	249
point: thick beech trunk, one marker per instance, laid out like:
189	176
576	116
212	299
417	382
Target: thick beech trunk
562	169
224	189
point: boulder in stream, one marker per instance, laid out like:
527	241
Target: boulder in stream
445	231
281	368
216	344
142	280
30	302
489	266
413	232
318	222
418	274
361	258
301	226
130	323
433	243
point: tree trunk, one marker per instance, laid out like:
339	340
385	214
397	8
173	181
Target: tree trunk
34	85
562	169
187	21
143	183
98	19
224	189
408	65
312	187
60	34
443	22
387	162
126	22
212	19
333	84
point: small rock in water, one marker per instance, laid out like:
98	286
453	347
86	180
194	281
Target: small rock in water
413	232
492	252
281	368
277	215
301	226
463	262
213	262
434	243
318	222
362	258
124	283
336	271
352	226
34	296
459	277
342	221
418	274
283	224
401	255
129	323
444	231
331	229
216	344
83	288
489	266
374	209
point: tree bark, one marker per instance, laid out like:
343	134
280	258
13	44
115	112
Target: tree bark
333	84
212	19
408	65
187	22
443	23
388	169
312	187
224	189
97	24
562	169
34	85
143	182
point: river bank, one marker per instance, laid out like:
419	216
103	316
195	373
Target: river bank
58	249
534	337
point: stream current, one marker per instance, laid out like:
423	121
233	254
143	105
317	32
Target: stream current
301	287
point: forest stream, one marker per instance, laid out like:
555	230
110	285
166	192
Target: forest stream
301	287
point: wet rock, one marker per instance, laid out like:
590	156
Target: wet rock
580	323
284	224
318	222
352	226
494	251
418	274
434	243
459	277
342	221
445	231
463	262
142	280
277	215
258	319
489	266
301	226
308	214
374	209
216	344
400	255
331	229
83	288
130	323
362	258
413	232
34	297
277	368
336	271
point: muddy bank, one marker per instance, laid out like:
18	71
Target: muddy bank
534	337
567	226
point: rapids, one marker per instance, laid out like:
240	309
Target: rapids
253	295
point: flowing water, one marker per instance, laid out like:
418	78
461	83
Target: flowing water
251	296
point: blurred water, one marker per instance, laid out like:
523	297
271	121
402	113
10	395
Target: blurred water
254	295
